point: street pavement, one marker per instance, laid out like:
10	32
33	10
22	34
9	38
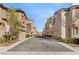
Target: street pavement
40	45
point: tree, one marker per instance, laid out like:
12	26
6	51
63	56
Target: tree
14	24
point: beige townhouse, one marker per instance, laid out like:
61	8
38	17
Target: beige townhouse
47	29
31	30
73	21
64	23
27	25
34	32
23	21
3	19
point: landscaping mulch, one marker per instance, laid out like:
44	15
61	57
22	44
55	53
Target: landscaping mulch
6	44
74	45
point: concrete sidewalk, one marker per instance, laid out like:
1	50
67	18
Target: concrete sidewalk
76	51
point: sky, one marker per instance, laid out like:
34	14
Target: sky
39	12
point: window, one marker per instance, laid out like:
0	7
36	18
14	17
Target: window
22	16
0	23
76	7
76	30
69	32
28	26
50	18
77	13
50	25
53	21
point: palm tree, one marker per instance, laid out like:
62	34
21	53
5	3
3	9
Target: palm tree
14	24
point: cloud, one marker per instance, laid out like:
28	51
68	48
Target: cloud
75	3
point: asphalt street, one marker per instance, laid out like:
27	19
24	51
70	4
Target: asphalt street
40	44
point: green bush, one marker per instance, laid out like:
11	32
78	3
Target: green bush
66	40
7	36
27	35
59	39
75	40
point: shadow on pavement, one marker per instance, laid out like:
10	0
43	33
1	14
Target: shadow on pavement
45	37
42	37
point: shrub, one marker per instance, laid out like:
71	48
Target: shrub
59	39
66	40
75	40
7	36
2	40
14	24
27	35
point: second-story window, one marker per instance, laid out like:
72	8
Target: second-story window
54	21
23	19
50	25
77	12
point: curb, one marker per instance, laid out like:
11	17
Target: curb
69	47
